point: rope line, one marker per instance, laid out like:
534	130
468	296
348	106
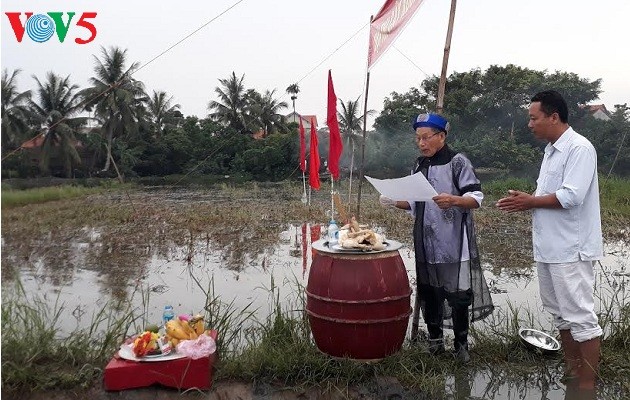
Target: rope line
190	34
120	81
410	60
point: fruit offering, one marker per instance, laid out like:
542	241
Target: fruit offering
180	329
146	344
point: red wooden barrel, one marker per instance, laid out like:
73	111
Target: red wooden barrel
358	305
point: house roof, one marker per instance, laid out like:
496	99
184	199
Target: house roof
597	107
305	118
37	141
598	111
260	134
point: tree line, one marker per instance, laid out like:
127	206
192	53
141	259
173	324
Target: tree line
115	126
488	112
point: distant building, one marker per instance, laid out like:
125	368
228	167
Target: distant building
598	111
306	120
260	134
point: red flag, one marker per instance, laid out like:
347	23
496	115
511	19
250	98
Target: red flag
302	147
316	231
313	163
336	145
387	25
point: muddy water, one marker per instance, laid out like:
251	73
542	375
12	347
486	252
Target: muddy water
87	269
85	275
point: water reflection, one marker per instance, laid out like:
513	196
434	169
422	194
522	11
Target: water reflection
499	384
237	261
86	268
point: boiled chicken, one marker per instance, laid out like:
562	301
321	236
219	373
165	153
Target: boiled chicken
355	236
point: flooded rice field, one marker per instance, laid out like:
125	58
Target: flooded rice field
246	248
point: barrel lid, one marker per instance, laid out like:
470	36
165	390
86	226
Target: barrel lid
322	246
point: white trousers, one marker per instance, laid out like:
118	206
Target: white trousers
566	291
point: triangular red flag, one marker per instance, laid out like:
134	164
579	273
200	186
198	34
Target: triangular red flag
336	145
302	147
313	164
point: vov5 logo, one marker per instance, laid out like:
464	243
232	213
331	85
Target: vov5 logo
41	27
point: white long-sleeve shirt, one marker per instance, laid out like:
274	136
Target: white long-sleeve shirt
573	232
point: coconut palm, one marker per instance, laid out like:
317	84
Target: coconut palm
14	110
118	98
264	111
231	107
161	111
293	89
351	126
55	108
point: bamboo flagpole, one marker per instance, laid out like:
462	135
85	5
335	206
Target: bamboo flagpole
332	198
440	105
367	87
304	200
447	49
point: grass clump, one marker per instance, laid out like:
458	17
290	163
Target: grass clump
499	188
37	356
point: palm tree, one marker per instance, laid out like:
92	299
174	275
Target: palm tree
117	97
293	89
264	111
351	126
161	111
231	107
13	110
55	108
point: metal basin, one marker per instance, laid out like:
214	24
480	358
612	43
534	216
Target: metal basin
538	340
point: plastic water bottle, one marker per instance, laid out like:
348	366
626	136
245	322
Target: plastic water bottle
168	314
333	233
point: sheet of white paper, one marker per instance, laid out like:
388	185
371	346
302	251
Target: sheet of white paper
411	187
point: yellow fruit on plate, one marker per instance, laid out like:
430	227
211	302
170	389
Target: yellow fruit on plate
198	324
175	330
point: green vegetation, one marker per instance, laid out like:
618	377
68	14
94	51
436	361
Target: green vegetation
499	188
36	356
615	196
12	197
141	133
16	198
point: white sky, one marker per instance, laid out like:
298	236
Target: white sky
278	42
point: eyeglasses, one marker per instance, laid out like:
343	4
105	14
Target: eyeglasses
426	138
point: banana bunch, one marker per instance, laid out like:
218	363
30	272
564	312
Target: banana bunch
179	329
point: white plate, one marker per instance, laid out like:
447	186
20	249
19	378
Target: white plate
338	247
126	352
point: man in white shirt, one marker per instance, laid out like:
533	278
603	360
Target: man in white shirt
566	232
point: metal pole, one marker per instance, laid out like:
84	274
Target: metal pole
447	49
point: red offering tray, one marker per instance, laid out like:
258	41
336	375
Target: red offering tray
180	373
